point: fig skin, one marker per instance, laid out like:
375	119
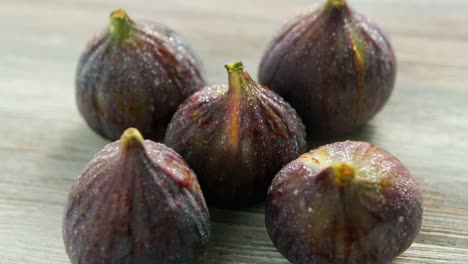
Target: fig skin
135	74
236	137
347	202
333	65
137	202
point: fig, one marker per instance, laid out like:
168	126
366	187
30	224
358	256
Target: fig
137	201
333	65
347	202
236	137
135	74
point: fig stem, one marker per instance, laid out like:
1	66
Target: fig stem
236	75
131	137
120	25
235	66
336	3
344	173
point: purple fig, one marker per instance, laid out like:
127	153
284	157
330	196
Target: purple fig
334	65
236	137
347	202
134	74
136	202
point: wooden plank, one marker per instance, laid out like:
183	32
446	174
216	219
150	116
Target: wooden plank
46	143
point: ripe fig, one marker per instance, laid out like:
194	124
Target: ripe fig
334	65
134	74
347	202
236	137
136	202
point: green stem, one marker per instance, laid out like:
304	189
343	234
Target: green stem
130	138
120	25
236	76
336	3
344	173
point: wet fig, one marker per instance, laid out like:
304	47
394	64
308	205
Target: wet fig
134	74
136	202
334	65
236	137
347	202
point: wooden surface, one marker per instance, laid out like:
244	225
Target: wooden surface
45	143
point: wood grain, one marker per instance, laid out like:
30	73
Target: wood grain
45	143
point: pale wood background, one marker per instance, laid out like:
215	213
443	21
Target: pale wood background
45	143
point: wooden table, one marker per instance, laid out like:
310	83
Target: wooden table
45	143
